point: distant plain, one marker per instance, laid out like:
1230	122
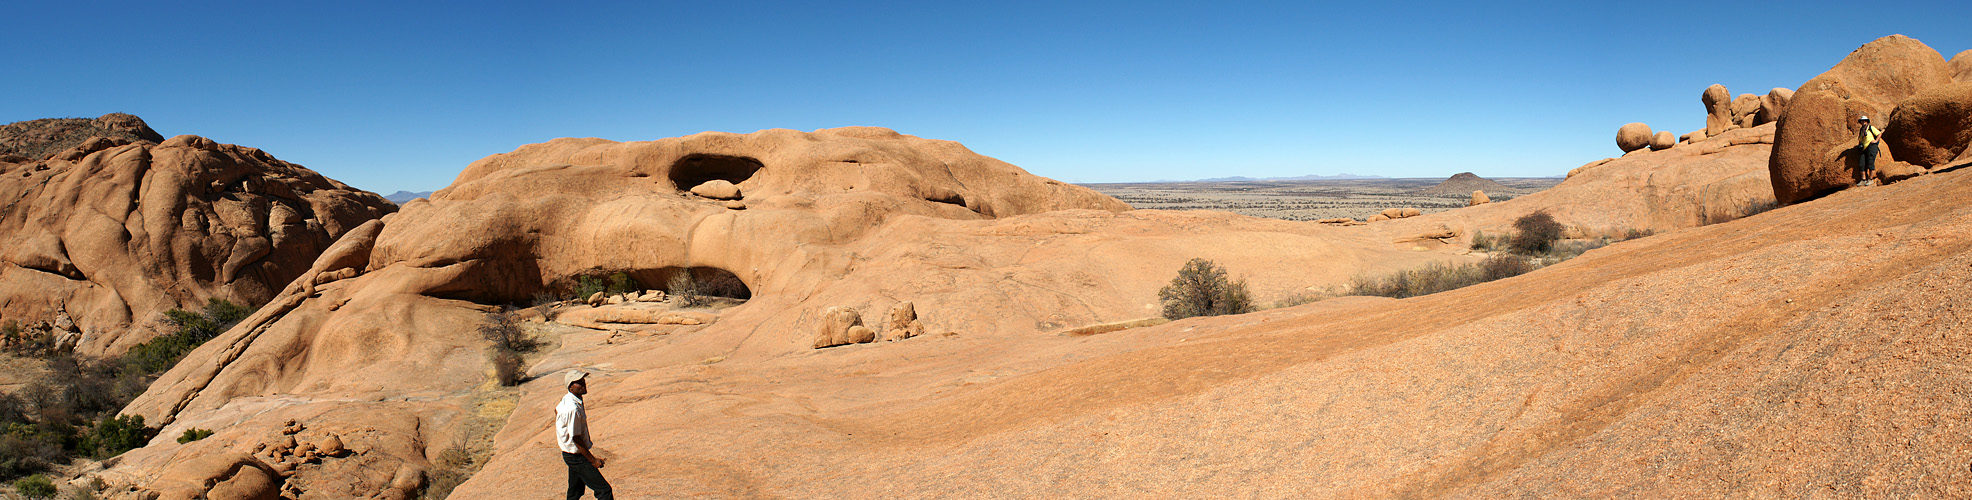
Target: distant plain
1309	199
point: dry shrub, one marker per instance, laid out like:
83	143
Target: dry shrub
1439	277
1202	289
507	367
1536	233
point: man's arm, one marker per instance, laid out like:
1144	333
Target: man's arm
582	443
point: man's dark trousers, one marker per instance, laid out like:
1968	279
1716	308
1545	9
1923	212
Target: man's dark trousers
582	473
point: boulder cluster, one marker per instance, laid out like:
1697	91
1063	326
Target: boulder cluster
1922	102
844	325
1722	113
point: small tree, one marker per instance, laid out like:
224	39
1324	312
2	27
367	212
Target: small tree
506	334
1537	233
1202	289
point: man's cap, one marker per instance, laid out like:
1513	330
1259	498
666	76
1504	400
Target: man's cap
1863	119
571	376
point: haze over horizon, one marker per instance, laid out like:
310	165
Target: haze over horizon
390	97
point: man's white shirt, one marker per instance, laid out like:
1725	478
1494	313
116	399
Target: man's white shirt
571	423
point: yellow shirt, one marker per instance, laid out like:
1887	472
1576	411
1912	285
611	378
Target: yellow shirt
1868	135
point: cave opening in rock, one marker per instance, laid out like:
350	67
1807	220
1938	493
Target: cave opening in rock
706	281
696	169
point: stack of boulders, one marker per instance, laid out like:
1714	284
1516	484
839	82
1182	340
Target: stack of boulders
1395	213
1908	90
844	325
1722	113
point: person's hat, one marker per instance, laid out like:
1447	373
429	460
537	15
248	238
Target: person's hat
572	376
1863	119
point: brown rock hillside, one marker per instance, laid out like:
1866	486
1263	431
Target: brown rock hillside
1811	350
111	232
860	218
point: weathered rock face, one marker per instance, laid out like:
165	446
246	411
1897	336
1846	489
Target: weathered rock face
113	232
1718	109
1632	137
1479	198
1821	117
1932	128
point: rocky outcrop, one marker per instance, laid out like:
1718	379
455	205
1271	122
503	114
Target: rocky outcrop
115	231
1718	109
1809	158
36	140
903	322
1478	198
1632	137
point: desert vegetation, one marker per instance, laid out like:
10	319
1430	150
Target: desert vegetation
71	411
1536	242
1202	289
510	342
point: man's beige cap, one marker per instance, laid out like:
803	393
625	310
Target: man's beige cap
571	376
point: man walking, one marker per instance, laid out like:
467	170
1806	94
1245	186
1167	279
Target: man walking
572	435
1866	143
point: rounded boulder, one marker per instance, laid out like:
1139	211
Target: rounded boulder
1632	137
1932	128
1663	140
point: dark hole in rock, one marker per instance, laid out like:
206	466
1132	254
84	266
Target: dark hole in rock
696	169
709	281
947	198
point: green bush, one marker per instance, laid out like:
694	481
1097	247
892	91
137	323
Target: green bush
35	486
586	286
1202	289
114	435
620	282
194	434
194	329
1536	234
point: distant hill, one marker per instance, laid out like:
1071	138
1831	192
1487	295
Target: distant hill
1464	184
402	197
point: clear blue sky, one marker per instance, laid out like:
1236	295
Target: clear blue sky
402	95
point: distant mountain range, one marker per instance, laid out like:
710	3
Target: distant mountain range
1336	177
402	197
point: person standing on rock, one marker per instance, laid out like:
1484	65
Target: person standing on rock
1866	143
572	435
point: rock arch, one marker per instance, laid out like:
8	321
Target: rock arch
695	169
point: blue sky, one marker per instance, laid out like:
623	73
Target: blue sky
402	95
